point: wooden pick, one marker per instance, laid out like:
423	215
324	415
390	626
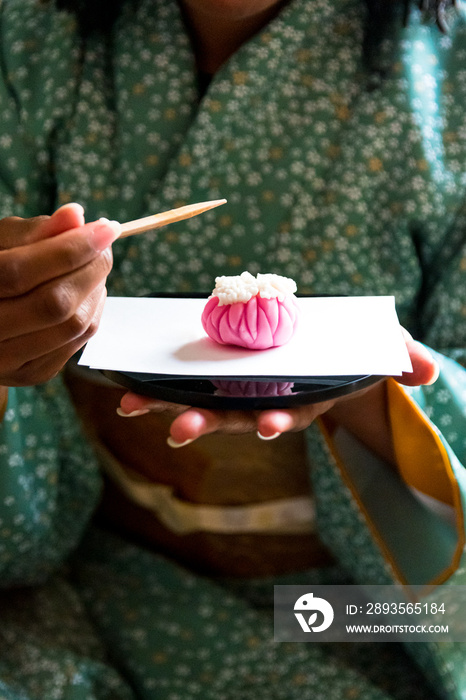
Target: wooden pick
167	217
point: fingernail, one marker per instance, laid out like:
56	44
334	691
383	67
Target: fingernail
172	443
72	205
104	233
269	437
139	412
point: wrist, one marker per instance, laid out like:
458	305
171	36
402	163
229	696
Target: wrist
366	417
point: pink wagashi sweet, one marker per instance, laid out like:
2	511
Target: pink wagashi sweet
253	312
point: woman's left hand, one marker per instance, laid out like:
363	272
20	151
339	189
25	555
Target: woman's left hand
191	423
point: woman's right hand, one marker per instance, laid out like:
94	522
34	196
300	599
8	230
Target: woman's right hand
52	290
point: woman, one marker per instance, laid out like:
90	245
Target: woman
342	155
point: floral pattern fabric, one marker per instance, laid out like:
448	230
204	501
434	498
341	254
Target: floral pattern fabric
345	181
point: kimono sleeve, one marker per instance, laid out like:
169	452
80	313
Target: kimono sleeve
49	482
409	522
407	526
419	522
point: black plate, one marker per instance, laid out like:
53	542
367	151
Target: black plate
249	393
244	393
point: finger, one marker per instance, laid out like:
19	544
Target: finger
132	405
67	217
44	368
16	352
425	368
54	302
195	422
190	425
275	422
15	231
271	424
25	268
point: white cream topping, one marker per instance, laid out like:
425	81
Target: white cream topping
240	288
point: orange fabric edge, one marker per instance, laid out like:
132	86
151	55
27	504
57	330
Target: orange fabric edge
396	399
413	447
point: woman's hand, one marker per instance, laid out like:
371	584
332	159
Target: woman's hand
363	412
52	290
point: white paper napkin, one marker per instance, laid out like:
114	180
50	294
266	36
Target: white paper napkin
336	336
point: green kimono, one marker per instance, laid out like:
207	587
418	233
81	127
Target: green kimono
346	181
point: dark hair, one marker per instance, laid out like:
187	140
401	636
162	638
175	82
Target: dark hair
99	16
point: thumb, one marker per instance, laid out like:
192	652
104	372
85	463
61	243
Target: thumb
63	219
425	367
